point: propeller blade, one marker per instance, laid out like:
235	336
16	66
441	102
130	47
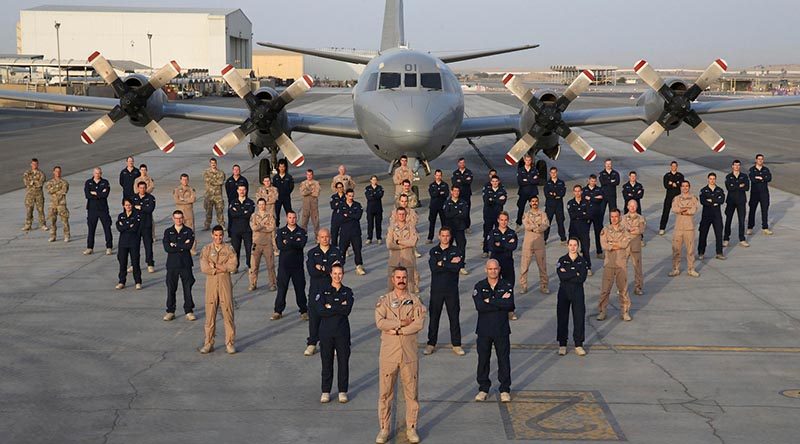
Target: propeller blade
579	85
519	149
102	125
165	74
514	84
290	150
160	137
648	136
104	69
235	80
648	74
709	76
295	90
710	137
228	141
580	146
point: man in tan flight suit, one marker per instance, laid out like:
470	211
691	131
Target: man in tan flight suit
399	315
401	173
634	224
217	261
150	185
344	178
185	196
533	245
614	239
34	179
262	222
401	240
685	205
309	189
214	179
270	195
412	218
58	189
413	200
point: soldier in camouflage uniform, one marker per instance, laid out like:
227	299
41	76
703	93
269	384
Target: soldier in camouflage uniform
214	180
58	189
33	180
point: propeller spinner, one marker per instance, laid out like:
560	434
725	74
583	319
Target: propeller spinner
263	113
132	102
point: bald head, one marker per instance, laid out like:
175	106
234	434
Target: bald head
324	237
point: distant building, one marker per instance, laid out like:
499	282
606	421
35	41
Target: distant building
197	38
603	74
289	65
276	63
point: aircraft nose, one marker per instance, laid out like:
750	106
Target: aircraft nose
414	124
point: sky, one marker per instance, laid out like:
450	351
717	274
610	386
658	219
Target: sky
669	34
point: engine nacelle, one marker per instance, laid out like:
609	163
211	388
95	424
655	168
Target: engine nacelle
265	137
548	143
653	103
154	104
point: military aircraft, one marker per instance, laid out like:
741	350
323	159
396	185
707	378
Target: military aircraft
406	102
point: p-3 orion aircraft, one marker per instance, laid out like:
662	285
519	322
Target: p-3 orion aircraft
406	102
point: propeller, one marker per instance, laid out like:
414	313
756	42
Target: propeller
132	102
679	106
549	117
263	113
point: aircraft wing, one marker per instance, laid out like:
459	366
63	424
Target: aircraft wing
101	103
324	125
599	116
489	125
303	123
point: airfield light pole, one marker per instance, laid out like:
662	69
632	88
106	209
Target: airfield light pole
150	45
58	51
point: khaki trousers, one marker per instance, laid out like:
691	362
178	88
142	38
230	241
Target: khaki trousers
219	295
541	263
683	238
409	373
310	211
255	261
618	276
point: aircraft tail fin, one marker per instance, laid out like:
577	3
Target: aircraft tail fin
393	28
478	54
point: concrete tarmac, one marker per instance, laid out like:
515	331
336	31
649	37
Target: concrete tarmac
708	359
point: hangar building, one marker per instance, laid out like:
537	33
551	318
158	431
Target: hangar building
197	38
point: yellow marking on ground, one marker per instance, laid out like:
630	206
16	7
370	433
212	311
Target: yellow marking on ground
561	415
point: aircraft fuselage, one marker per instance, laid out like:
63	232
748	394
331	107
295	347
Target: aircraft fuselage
408	102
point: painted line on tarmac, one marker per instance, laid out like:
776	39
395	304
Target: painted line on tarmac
656	348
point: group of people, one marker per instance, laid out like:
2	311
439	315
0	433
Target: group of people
400	313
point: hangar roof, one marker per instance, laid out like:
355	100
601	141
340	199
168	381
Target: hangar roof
209	11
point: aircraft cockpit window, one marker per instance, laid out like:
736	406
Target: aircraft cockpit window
410	80
372	82
389	80
431	80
